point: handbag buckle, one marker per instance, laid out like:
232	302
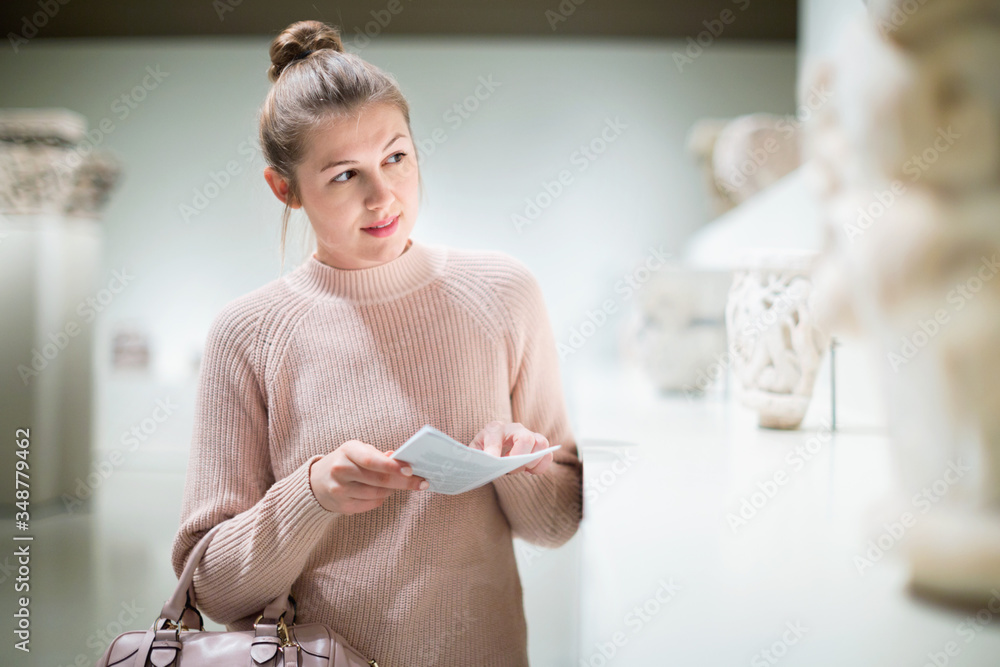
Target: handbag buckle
283	633
282	630
286	640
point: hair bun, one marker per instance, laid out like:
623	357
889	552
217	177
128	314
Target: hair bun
298	38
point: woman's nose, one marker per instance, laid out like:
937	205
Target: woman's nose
379	194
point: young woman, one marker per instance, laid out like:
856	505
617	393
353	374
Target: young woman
309	382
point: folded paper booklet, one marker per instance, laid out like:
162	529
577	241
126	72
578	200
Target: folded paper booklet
451	467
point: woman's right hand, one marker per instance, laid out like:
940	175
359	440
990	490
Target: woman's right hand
357	477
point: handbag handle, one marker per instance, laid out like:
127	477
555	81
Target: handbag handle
184	599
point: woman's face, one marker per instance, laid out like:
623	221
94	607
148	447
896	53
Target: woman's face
359	171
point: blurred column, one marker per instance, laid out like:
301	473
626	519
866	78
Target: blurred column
53	186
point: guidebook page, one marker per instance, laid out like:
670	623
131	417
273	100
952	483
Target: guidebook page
451	467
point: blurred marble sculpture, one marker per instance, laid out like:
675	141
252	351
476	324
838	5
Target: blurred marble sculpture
48	165
742	156
700	145
676	330
906	158
773	337
54	186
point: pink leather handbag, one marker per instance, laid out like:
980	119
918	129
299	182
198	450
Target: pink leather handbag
272	643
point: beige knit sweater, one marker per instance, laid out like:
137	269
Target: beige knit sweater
443	336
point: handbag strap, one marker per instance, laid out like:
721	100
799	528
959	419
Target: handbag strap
184	596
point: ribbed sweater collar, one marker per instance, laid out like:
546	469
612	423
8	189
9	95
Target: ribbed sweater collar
416	267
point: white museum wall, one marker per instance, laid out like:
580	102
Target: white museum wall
199	115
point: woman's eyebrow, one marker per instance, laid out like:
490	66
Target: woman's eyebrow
339	162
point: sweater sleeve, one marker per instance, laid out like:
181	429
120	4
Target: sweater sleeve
270	527
543	509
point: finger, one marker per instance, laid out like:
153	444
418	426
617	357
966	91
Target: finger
493	439
522	440
477	442
405	467
372	467
365	456
388	480
540	466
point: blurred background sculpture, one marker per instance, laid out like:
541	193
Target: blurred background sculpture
774	340
741	156
906	158
677	329
54	184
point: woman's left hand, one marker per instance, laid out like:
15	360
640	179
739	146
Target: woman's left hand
500	439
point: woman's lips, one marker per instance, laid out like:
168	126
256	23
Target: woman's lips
383	231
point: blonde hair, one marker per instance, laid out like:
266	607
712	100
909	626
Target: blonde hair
315	81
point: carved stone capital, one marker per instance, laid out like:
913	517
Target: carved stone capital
47	164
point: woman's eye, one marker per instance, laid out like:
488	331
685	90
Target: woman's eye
339	178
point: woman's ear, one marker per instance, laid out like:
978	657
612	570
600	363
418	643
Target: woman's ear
279	186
